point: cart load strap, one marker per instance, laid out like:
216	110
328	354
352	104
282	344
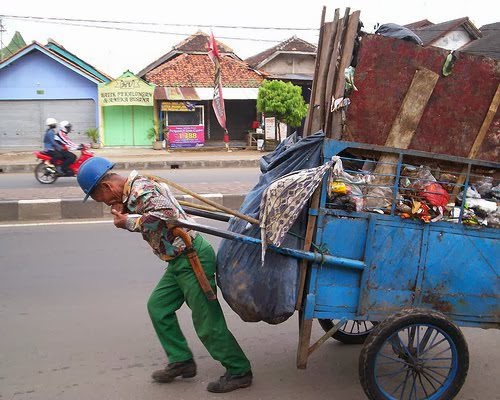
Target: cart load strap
266	292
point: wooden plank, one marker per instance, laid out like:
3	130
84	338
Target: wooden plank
318	103
308	122
334	127
492	110
310	229
329	63
305	329
334	70
408	118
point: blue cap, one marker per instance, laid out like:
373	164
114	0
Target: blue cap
91	172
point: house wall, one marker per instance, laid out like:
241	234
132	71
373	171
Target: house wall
453	40
291	64
21	79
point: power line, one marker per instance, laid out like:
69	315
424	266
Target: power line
159	23
143	30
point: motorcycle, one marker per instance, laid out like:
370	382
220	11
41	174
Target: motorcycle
46	172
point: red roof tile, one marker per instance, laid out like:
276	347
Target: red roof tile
197	70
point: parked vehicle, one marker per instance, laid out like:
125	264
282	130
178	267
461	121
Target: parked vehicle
46	172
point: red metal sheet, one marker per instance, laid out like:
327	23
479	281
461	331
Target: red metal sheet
454	113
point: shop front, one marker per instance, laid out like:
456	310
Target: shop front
184	123
127	108
188	118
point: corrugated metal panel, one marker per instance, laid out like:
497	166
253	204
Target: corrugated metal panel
22	122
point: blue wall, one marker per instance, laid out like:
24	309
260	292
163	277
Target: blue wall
21	79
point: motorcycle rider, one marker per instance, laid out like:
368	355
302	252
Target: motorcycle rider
50	145
67	144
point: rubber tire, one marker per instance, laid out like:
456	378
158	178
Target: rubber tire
38	169
386	328
343	337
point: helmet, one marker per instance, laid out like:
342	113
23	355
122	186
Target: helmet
65	126
50	121
91	172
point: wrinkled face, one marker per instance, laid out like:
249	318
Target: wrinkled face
109	193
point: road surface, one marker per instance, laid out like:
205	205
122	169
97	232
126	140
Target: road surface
207	180
74	325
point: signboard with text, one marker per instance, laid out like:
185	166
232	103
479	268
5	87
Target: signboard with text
127	90
177	106
186	135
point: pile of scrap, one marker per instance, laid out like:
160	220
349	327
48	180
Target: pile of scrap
396	93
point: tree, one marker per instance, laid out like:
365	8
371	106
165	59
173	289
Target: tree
282	100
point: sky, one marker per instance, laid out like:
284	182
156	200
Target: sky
114	51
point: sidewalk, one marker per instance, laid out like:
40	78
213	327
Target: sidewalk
144	158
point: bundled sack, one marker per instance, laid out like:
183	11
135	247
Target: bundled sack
266	292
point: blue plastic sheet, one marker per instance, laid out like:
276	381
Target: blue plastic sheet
266	292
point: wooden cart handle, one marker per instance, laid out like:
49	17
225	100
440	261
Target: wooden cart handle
195	264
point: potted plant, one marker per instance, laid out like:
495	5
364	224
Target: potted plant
153	134
93	135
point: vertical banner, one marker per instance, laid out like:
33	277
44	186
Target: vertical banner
218	100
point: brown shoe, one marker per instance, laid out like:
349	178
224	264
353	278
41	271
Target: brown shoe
186	369
228	383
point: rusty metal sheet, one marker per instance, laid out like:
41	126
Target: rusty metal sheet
454	113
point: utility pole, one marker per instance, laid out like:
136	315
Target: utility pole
2	30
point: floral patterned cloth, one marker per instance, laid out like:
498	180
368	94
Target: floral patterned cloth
153	208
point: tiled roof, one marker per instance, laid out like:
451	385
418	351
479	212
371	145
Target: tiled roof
418	24
198	42
195	44
430	33
488	45
197	70
294	44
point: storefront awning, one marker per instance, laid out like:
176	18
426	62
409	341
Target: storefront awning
193	94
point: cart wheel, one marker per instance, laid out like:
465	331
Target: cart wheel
413	355
353	332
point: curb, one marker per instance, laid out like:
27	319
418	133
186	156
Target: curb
141	165
59	209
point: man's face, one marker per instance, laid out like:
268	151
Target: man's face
107	192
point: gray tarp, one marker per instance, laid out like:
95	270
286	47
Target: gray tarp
269	292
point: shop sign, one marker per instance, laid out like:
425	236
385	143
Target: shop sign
177	106
127	90
270	128
186	135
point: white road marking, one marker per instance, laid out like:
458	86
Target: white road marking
28	224
55	223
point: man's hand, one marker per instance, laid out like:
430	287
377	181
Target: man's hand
119	218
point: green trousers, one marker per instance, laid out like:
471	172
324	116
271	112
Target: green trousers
179	285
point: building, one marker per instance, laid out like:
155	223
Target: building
488	45
184	79
292	60
449	35
39	81
127	111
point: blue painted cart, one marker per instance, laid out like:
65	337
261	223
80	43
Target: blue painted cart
403	285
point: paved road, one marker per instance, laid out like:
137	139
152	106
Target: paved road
217	180
76	327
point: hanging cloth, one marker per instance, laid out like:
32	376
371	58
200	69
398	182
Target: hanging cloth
283	201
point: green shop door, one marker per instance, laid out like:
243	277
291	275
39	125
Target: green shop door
127	125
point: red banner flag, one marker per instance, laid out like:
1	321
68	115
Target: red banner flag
218	100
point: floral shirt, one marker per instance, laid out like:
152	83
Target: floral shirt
152	208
